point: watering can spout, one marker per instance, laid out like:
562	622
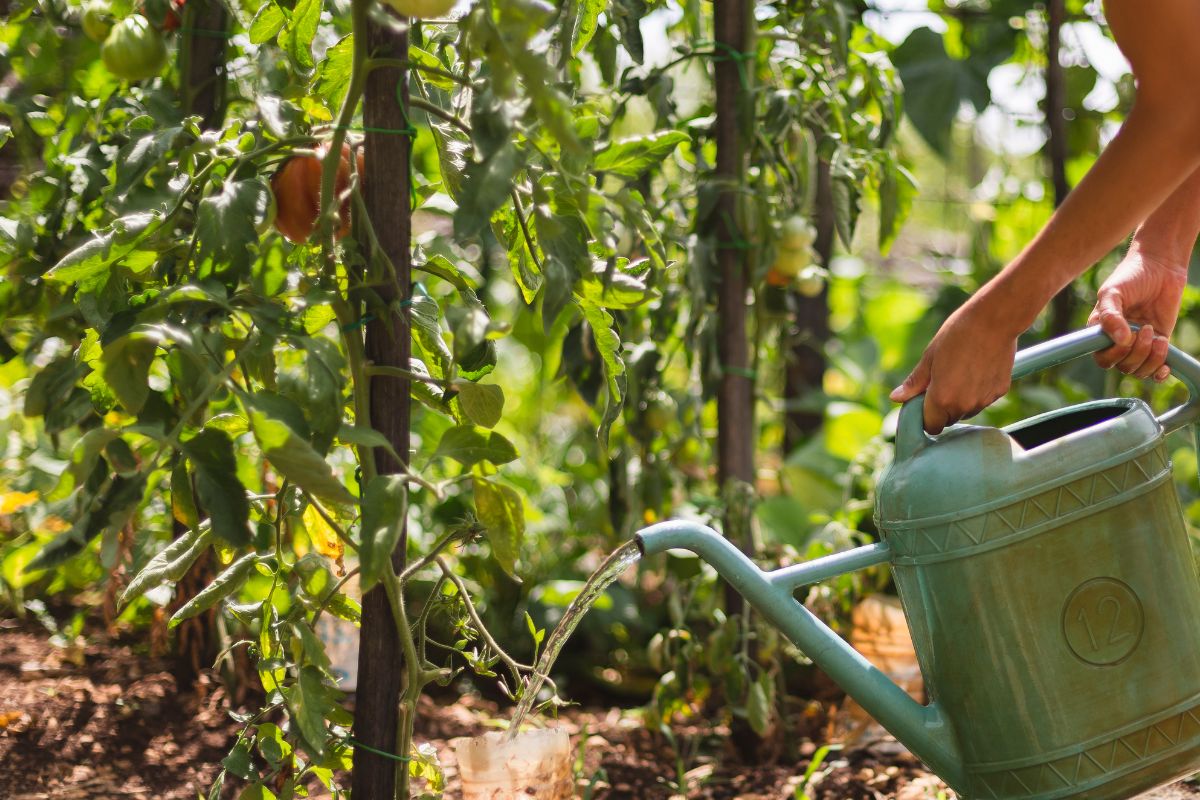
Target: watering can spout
923	729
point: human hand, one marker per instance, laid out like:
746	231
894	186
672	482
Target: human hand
1143	290
966	368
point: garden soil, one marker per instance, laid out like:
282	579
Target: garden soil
96	721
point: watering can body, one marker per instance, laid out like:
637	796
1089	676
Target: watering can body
1048	582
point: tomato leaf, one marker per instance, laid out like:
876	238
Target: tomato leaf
485	188
106	247
333	74
586	23
482	403
468	445
111	511
218	488
267	23
608	344
169	564
295	458
629	158
385	502
126	368
298	36
226	583
502	513
308	702
225	225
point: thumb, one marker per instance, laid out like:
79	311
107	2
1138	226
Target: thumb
1110	313
914	384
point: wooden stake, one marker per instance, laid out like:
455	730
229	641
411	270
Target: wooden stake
386	195
735	394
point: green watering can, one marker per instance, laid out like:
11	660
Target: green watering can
1049	586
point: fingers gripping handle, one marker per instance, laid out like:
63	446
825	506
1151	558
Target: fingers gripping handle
910	430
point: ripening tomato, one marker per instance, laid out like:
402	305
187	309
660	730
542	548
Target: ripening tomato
777	278
791	261
422	9
798	233
97	20
134	50
165	15
297	190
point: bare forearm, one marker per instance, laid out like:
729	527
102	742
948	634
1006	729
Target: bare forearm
1169	234
1143	167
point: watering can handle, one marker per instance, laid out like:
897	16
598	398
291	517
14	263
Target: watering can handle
910	430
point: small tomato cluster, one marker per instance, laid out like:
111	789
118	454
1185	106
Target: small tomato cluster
795	263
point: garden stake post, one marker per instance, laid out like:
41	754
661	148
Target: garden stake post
201	63
1056	143
205	32
804	370
385	187
735	393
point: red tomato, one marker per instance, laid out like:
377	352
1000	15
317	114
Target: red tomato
297	190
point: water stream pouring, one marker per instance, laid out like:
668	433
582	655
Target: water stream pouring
1047	579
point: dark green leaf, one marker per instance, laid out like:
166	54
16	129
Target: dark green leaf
225	224
468	445
218	488
110	512
292	456
238	761
308	702
485	188
126	368
936	85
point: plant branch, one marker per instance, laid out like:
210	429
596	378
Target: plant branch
513	666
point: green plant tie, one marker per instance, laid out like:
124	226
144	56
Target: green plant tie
743	372
358	323
369	749
209	33
739	57
737	243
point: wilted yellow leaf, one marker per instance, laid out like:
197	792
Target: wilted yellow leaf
324	540
15	501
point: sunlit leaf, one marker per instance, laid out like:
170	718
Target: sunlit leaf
501	511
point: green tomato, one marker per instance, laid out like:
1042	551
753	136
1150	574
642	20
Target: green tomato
134	50
422	9
811	280
797	233
791	261
97	20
